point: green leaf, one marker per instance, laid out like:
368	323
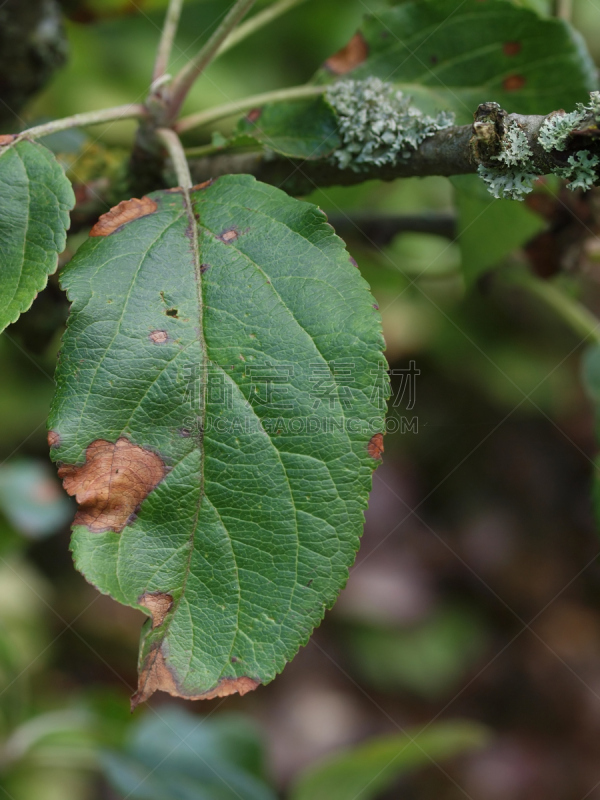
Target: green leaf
363	772
489	229
450	56
175	754
218	415
35	200
304	129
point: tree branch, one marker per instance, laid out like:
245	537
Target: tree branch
456	150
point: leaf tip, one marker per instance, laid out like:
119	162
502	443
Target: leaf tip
156	676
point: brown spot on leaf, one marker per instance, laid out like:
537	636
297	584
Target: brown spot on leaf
203	268
349	57
126	211
155	676
112	483
172	312
375	306
203	185
158	604
511	48
7	138
513	83
353	262
375	446
228	236
53	439
253	115
159	337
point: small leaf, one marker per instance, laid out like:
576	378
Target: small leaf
218	417
363	772
304	129
35	200
454	57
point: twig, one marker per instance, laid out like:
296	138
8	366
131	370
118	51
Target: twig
564	9
171	141
166	40
381	229
183	82
257	22
129	111
246	103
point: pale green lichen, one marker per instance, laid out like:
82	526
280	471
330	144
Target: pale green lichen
593	107
512	184
377	123
555	130
581	170
516	154
515	147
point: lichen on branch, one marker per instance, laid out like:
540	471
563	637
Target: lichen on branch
384	137
377	123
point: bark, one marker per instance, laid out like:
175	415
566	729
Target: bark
454	151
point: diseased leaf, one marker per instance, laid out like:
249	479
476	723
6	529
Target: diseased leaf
363	772
35	200
218	417
304	129
456	56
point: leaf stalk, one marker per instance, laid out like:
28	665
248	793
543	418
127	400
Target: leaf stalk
245	104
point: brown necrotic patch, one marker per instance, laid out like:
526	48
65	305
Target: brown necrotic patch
53	439
126	211
158	604
159	337
228	236
511	48
203	185
253	115
375	446
349	57
7	138
112	483
513	83
156	676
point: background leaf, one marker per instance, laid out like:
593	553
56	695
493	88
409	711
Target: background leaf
175	754
489	229
35	200
456	57
363	772
230	514
31	499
